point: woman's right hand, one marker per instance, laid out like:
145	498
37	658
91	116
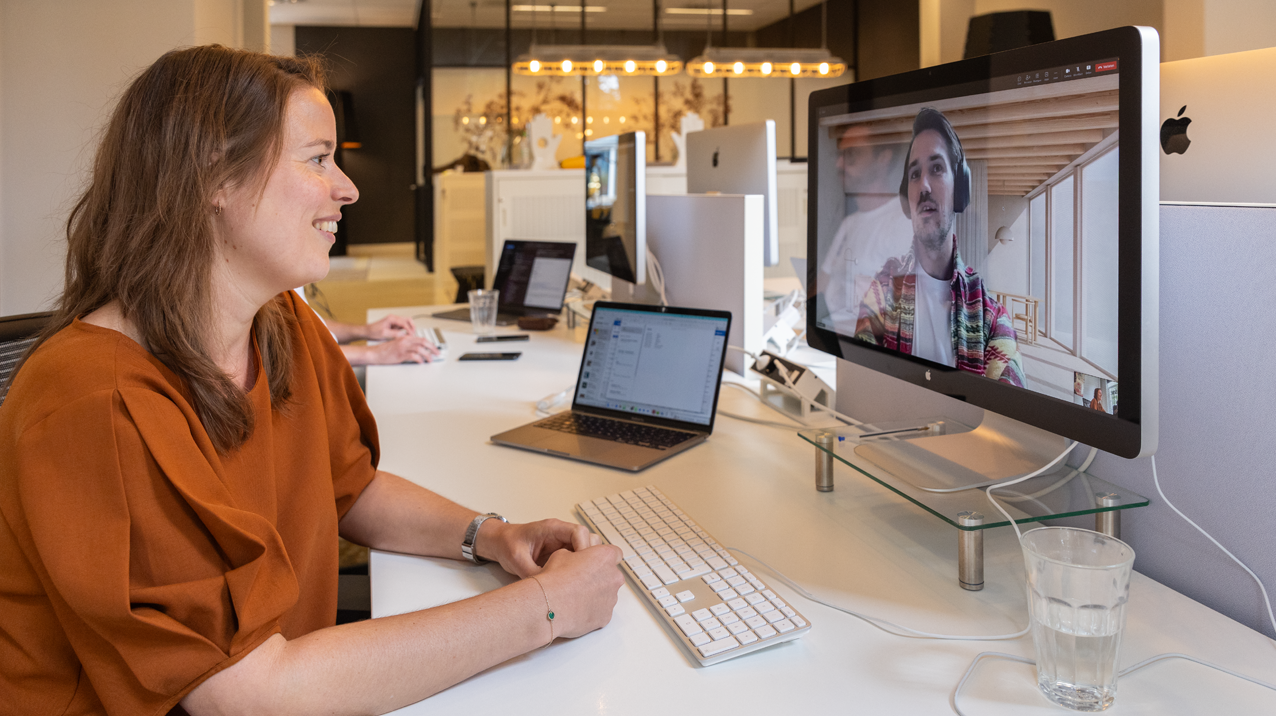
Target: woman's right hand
582	588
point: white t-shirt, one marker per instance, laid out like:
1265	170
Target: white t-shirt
861	246
932	330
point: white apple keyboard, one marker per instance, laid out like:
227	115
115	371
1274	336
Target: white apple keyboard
714	607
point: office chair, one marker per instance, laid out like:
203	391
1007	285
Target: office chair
17	333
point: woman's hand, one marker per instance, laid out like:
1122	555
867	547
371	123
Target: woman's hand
390	327
525	549
405	349
581	588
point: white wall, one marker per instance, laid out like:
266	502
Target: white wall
62	64
1200	28
283	40
1007	267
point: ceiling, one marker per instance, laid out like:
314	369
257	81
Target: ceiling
1026	135
744	15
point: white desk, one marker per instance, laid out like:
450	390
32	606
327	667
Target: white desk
752	487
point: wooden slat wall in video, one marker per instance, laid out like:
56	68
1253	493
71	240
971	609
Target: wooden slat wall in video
1026	135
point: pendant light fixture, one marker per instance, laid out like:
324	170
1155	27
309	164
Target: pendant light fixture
786	62
592	60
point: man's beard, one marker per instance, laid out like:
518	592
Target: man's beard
934	236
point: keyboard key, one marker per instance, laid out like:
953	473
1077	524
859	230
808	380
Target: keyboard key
766	632
768	594
747	613
719	633
728	573
737	627
755	622
764	607
687	624
778	603
700	639
650	581
717	562
773	616
685	596
665	575
783	626
744	589
799	621
728	593
720	610
660	592
696	571
737	604
721	586
719	646
747	637
736	581
675	611
729	619
711	578
612	536
668	601
788	612
710	624
755	598
701	614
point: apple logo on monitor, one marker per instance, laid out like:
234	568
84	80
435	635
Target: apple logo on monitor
715	158
1174	138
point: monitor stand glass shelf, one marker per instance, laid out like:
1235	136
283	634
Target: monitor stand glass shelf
943	467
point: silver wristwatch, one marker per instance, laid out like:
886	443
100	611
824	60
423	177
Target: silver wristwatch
467	546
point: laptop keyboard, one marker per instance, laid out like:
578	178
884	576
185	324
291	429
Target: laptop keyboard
615	430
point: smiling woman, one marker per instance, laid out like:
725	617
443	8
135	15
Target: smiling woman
183	447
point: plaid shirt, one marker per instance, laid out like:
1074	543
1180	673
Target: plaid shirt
983	336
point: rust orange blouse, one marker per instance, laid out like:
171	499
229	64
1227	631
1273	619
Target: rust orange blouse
135	561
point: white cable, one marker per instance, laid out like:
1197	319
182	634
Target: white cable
1266	599
878	622
656	277
1120	675
1018	480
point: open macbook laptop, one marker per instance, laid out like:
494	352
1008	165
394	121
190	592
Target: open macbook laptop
532	278
647	388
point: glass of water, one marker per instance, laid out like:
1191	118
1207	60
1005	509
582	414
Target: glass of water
483	310
1078	586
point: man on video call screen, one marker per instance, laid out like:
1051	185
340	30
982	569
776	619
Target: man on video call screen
925	301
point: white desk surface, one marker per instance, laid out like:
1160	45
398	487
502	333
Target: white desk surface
752	487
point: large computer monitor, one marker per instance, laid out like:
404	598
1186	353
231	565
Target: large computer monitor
739	159
616	206
987	230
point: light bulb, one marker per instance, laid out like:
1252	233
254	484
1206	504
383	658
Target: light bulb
606	120
589	120
534	66
766	68
598	65
558	120
575	120
824	68
482	120
739	68
795	68
708	68
661	66
630	66
622	120
465	120
567	65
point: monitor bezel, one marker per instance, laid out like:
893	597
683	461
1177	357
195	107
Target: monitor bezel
635	142
1132	432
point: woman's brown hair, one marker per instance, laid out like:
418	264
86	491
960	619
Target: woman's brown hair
197	120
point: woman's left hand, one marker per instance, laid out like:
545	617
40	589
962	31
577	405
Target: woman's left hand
523	549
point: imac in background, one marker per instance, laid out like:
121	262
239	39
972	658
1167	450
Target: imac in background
616	206
739	159
987	230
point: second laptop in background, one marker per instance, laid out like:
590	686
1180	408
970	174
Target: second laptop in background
532	278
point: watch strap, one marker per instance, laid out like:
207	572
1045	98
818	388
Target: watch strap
467	546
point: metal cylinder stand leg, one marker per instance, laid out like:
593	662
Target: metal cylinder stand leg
1109	523
824	461
970	552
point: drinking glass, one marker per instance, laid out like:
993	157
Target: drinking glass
483	310
1078	586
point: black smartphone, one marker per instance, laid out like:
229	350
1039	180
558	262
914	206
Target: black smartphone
502	339
490	356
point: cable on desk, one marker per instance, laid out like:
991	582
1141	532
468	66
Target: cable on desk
1120	674
1018	480
878	622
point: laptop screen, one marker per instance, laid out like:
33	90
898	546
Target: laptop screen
651	363
534	274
